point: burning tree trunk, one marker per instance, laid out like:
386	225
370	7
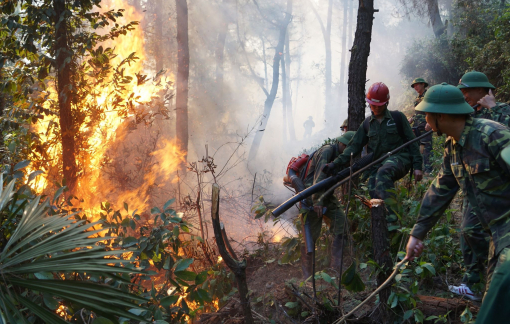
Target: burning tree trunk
181	104
382	257
268	104
435	18
63	58
326	33
237	267
358	63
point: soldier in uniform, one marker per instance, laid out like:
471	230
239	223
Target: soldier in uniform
474	240
330	208
382	134
495	304
418	123
472	162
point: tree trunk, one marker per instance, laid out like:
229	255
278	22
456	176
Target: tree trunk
358	63
435	18
237	267
290	117
158	36
326	34
227	19
268	104
181	104
382	256
63	67
343	53
284	99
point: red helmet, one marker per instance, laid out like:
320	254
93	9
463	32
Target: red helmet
378	94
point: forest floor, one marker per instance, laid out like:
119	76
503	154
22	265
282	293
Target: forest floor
271	294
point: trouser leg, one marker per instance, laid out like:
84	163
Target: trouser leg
427	153
335	218
495	263
474	243
381	185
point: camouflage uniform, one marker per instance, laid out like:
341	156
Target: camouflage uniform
495	304
334	215
474	164
419	122
382	138
474	240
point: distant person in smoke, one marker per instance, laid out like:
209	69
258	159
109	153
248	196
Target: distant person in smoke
308	125
329	209
383	131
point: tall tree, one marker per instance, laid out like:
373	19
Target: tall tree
359	62
159	52
268	104
343	53
62	65
326	33
227	17
435	18
182	86
287	88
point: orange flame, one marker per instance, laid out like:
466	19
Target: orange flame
105	139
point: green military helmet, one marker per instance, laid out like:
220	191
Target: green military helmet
475	79
444	99
419	80
505	154
346	138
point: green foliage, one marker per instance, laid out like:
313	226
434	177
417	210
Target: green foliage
43	249
479	42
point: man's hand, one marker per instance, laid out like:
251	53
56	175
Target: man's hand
427	127
329	169
418	175
488	101
318	210
414	248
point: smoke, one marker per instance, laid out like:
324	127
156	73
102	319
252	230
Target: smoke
226	101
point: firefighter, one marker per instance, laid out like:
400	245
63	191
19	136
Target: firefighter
419	123
472	162
383	131
474	240
330	208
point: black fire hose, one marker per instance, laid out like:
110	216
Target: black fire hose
335	181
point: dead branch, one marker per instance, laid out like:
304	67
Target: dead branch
237	267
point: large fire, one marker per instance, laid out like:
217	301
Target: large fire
108	138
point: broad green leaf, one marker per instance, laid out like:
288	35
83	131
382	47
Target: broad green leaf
292	304
326	277
183	264
129	241
21	165
44	275
155	210
186	275
430	268
168	203
201	278
408	314
170	300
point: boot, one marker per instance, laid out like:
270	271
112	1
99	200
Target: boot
336	252
306	263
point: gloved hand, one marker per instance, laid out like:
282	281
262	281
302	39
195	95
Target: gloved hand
329	169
